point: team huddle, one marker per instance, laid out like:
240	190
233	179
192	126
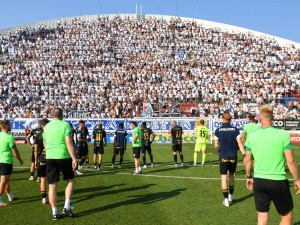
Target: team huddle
59	148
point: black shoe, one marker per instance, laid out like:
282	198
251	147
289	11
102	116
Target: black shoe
68	212
140	172
56	217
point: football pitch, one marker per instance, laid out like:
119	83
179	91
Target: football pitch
161	195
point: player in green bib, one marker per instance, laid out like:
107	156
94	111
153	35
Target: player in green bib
270	147
60	158
7	150
249	128
202	135
136	145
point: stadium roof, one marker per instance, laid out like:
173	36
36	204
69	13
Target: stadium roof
208	24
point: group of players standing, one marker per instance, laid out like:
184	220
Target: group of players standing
54	153
142	138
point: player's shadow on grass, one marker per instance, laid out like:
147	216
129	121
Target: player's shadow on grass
167	169
78	191
137	199
96	193
243	198
240	172
212	162
297	223
18	171
27	200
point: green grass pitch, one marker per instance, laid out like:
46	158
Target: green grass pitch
162	195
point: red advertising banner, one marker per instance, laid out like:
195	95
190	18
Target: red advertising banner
295	138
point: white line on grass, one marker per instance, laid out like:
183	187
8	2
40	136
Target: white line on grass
151	175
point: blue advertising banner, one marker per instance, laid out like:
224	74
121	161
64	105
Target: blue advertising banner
160	126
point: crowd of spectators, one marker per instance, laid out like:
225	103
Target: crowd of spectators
110	68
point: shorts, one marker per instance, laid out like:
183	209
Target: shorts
200	147
41	170
177	147
99	150
278	191
55	166
227	164
80	152
32	156
146	148
136	152
118	150
5	169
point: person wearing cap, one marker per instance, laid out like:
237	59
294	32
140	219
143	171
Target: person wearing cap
227	142
99	136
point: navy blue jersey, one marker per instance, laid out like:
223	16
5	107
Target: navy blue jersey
82	134
227	135
121	136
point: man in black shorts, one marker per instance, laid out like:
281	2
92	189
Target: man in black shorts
120	140
99	136
8	148
227	142
40	160
60	157
33	134
82	141
147	133
270	147
176	135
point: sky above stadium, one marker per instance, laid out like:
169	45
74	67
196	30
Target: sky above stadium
276	17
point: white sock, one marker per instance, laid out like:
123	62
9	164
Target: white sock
9	195
136	170
54	211
140	168
67	204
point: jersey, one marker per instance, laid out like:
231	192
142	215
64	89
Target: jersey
146	136
99	135
35	132
41	150
249	128
202	133
7	142
138	142
121	136
54	134
176	135
267	146
227	135
81	134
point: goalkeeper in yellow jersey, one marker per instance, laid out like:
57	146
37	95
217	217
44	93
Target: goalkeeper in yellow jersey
202	135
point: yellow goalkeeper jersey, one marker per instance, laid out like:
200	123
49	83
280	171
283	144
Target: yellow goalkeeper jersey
202	133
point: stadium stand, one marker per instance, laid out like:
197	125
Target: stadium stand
111	65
